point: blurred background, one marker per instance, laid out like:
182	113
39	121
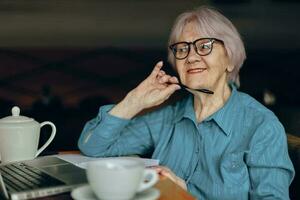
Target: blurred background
60	60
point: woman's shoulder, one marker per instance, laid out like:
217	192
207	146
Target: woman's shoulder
258	119
254	107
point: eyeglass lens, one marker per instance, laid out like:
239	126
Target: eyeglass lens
202	46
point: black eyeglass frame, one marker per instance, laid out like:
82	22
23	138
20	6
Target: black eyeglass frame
212	40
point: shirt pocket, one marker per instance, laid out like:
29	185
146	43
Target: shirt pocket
234	171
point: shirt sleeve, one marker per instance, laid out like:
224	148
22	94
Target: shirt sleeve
107	135
270	168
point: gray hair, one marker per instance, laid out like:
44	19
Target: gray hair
211	23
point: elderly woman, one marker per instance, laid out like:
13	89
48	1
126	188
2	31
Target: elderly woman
217	142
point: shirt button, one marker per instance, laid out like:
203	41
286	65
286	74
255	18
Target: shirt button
234	165
197	150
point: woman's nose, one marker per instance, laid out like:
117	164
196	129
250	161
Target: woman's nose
193	56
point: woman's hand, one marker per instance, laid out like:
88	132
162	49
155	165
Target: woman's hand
154	90
164	171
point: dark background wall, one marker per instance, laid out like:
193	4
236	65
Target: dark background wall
85	50
89	53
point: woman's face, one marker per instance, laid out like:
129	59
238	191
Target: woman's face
197	71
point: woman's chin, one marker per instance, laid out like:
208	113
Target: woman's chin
197	86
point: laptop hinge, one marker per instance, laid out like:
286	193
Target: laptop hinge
3	188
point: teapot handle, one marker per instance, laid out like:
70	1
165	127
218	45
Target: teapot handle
50	138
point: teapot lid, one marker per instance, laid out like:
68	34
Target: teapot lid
15	118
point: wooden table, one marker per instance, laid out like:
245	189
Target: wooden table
168	189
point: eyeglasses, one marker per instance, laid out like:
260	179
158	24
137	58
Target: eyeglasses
202	46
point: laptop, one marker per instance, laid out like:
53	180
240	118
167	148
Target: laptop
43	176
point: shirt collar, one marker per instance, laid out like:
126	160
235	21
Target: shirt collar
225	117
186	109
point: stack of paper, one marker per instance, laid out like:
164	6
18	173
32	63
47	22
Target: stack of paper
81	161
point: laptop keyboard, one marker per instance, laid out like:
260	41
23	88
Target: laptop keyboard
19	177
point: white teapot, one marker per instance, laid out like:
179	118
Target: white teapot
19	137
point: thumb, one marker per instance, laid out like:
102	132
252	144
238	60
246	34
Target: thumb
170	90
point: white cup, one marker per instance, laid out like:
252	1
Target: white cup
119	178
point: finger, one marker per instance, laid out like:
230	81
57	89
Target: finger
166	90
169	175
173	79
164	79
169	90
166	173
158	170
156	69
162	168
159	167
168	79
161	73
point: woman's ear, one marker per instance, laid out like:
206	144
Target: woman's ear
230	68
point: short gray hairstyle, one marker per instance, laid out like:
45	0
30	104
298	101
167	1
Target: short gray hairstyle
211	23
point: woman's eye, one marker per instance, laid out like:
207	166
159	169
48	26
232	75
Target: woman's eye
205	46
182	49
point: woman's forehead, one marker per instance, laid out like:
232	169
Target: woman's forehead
192	31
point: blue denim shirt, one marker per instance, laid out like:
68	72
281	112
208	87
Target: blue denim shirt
239	152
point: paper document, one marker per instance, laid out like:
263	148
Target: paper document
81	161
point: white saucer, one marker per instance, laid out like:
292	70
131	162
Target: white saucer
85	193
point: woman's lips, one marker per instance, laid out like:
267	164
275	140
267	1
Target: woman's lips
196	70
